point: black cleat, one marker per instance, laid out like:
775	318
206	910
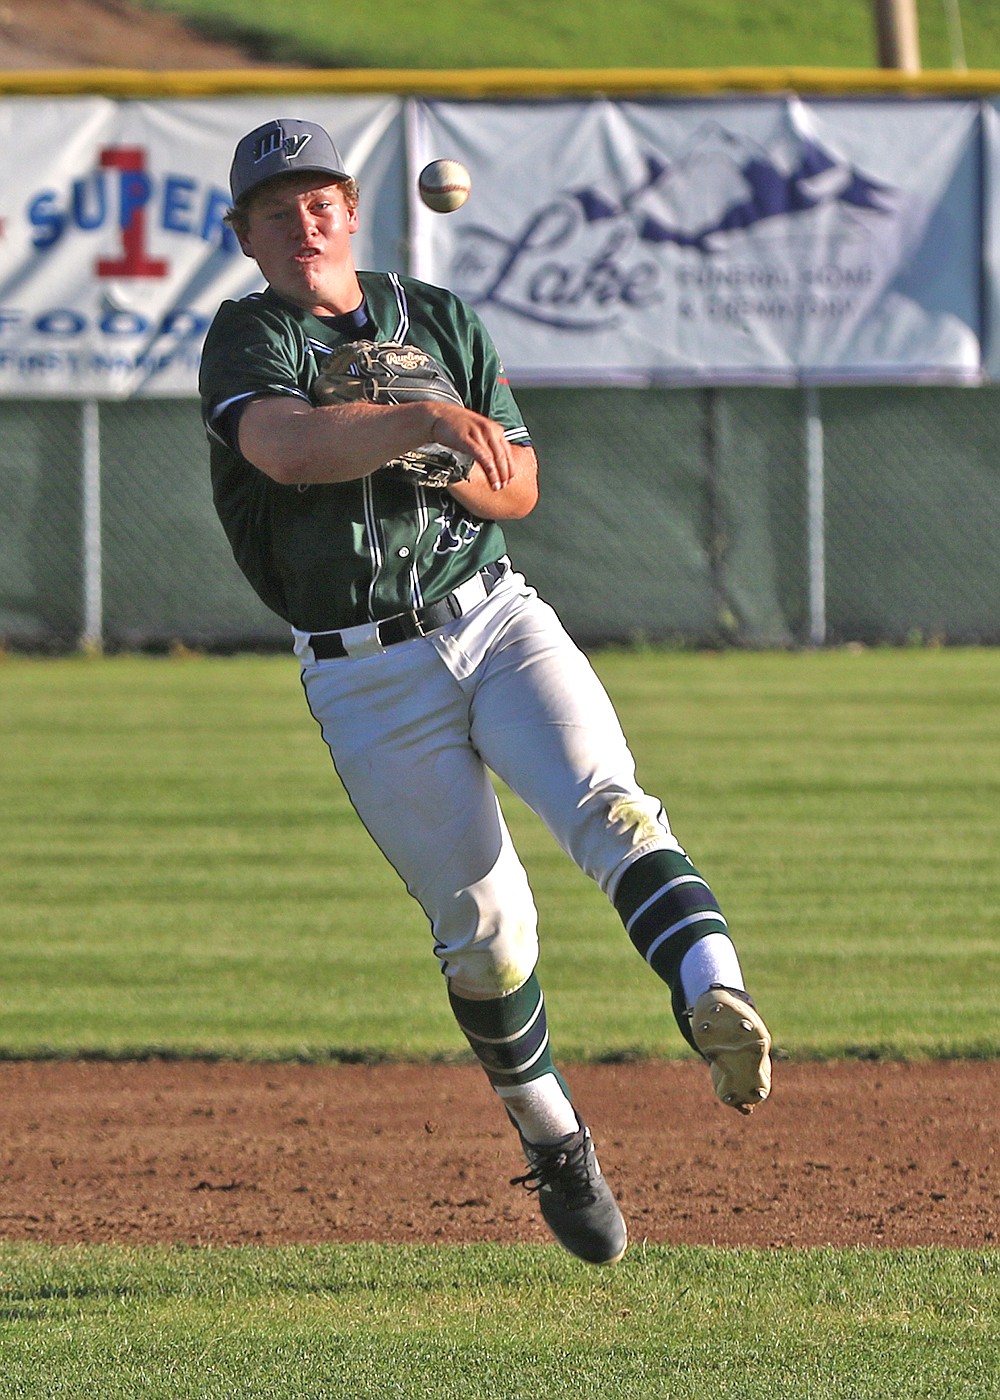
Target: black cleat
575	1200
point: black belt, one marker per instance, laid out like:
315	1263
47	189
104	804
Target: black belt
403	627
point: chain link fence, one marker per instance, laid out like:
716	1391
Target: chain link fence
750	516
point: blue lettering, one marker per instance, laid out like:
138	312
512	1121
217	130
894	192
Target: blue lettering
135	192
550	227
113	364
116	322
40	361
213	227
95	217
88	209
184	323
602	280
543	274
43	216
61	322
177	199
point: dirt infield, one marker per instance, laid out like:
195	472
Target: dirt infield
108	34
843	1154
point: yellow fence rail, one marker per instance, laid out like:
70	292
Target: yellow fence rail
498	82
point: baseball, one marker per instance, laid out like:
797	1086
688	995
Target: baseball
444	185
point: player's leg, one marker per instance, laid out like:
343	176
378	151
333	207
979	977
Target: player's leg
546	725
397	727
674	921
510	1038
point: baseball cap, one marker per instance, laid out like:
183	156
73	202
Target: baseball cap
282	147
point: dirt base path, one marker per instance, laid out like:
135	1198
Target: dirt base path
844	1154
108	34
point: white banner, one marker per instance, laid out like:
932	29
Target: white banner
688	242
113	252
712	242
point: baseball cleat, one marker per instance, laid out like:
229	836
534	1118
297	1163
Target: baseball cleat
575	1200
729	1032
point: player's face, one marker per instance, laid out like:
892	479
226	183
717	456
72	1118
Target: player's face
299	234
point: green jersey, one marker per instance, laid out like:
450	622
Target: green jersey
333	556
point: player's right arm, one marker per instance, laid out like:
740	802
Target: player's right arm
295	443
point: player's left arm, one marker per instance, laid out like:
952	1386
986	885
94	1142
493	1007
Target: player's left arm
510	491
515	499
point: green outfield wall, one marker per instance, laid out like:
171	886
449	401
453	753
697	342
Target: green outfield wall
751	516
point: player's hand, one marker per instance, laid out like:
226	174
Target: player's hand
480	437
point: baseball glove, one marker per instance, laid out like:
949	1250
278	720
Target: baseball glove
386	372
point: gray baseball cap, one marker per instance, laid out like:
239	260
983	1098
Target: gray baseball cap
283	147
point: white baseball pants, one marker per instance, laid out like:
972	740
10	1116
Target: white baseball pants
414	730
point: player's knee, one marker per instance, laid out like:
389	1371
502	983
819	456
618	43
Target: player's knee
486	934
615	827
492	950
495	956
496	963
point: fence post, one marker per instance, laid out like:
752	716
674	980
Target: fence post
897	34
815	518
728	623
92	638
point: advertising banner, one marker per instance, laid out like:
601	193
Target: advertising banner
764	241
114	254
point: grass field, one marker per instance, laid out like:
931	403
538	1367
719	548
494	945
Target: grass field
185	873
638	33
182	871
488	1323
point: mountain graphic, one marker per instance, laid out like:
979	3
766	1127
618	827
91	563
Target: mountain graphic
722	183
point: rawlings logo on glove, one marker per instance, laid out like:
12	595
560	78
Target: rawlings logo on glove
386	372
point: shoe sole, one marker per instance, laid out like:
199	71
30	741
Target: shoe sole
737	1045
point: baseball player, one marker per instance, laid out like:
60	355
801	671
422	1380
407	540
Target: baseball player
427	659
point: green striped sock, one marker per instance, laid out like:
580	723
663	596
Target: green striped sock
509	1035
666	907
